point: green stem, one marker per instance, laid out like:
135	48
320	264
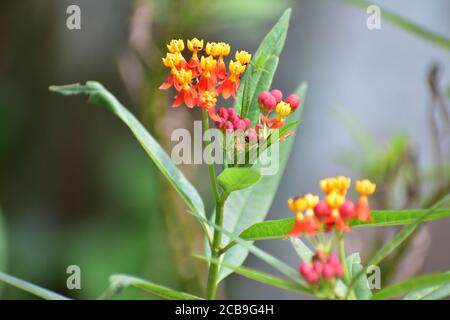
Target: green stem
343	258
212	174
215	249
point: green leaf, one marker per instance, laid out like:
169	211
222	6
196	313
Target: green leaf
303	251
406	24
398	239
263	277
354	265
247	207
233	179
264	256
31	288
430	293
121	281
3	244
380	218
99	95
260	72
412	284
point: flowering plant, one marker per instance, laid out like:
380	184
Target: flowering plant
243	195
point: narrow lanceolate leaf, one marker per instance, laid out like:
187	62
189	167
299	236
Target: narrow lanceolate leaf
249	206
401	236
99	95
380	218
354	265
262	80
233	179
31	288
302	250
264	277
3	245
430	293
121	281
406	24
412	284
259	74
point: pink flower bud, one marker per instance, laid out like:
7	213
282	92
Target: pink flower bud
318	267
231	112
247	123
263	96
339	271
333	260
294	101
267	102
228	126
322	210
277	94
328	271
236	123
312	277
304	269
223	113
347	210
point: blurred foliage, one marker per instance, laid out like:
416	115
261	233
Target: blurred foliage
82	192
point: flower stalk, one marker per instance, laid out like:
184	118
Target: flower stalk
216	249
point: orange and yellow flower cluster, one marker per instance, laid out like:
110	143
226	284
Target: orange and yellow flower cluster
201	79
335	212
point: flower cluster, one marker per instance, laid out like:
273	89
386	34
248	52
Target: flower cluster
200	80
334	212
273	100
324	268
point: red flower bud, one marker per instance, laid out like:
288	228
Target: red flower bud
339	271
328	271
294	101
322	210
228	126
318	267
347	210
267	102
247	123
304	269
277	94
263	96
312	277
333	260
223	113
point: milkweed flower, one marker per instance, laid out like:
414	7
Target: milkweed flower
230	84
365	188
202	73
200	80
305	220
270	101
335	211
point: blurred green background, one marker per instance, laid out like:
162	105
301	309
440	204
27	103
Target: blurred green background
75	188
